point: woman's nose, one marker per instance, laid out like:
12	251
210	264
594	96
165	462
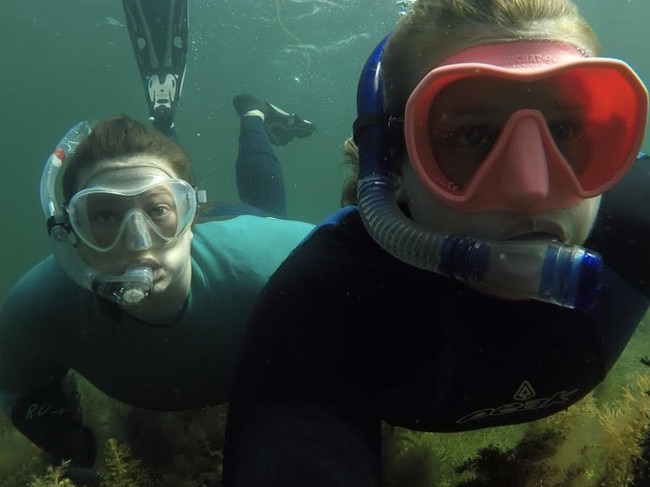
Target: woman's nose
137	232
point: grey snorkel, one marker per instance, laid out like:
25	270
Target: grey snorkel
130	288
546	271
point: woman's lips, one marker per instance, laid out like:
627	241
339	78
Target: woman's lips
535	230
144	262
155	266
535	236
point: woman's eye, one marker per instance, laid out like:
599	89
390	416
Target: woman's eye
473	137
105	217
563	131
159	211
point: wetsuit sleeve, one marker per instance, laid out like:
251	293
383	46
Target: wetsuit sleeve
259	175
304	405
45	418
622	230
32	336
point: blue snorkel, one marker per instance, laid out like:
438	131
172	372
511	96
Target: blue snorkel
130	288
553	272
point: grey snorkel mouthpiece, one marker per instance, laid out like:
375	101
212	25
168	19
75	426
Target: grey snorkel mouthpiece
130	288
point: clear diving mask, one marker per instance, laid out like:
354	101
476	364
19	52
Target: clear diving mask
142	213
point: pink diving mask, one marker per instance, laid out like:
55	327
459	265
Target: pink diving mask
524	126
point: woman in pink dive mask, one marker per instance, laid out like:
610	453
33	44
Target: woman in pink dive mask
491	261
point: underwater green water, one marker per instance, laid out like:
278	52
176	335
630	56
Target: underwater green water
67	60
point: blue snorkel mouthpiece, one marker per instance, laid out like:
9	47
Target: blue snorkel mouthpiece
552	272
130	288
566	275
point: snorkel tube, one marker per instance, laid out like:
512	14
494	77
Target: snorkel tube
553	272
130	288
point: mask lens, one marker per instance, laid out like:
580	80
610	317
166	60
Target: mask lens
101	216
593	120
467	117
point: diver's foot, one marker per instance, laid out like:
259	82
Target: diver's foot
244	104
162	119
281	126
163	97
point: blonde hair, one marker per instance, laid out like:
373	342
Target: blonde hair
432	30
350	159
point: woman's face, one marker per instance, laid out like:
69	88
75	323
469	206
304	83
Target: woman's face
138	227
570	225
466	119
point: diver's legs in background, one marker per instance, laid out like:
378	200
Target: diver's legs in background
281	127
259	175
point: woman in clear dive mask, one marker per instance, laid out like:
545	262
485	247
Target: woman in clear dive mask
148	289
493	261
130	217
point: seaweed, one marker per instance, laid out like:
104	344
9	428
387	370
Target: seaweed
591	444
406	462
181	448
122	470
601	441
641	464
511	468
53	477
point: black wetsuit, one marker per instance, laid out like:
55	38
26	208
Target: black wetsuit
345	335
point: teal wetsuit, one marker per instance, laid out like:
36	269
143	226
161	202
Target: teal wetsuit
49	325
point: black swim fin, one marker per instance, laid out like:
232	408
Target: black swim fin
159	35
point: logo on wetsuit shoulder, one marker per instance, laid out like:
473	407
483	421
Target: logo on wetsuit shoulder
525	401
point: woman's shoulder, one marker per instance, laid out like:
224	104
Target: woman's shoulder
246	248
43	297
44	279
338	249
251	227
